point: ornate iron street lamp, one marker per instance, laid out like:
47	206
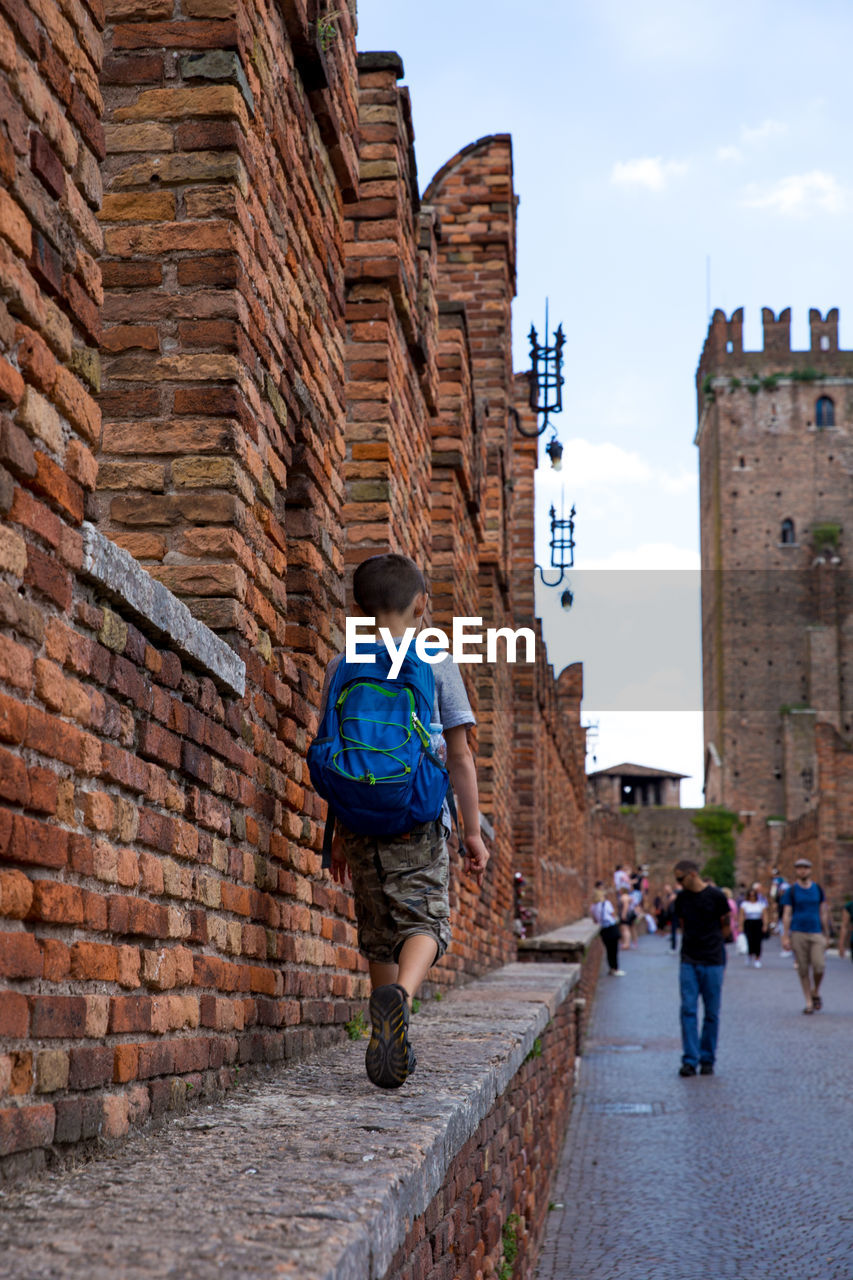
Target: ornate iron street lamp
546	398
562	546
546	387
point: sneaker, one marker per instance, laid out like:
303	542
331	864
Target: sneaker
617	973
389	1059
686	1069
706	1069
758	964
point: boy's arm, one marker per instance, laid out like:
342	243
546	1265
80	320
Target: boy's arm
463	775
340	866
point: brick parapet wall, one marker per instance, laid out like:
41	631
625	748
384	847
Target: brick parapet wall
444	1185
723	354
495	1194
224	378
391	329
474	200
154	929
165	916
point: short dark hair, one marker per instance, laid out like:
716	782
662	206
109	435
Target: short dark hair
686	866
387	584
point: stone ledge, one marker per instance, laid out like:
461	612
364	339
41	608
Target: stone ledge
570	943
314	1171
125	581
382	60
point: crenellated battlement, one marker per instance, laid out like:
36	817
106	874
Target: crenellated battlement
723	350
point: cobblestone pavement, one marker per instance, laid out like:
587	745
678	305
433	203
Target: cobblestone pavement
744	1175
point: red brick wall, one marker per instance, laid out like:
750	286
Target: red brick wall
474	198
51	143
824	834
764	460
391	323
298	364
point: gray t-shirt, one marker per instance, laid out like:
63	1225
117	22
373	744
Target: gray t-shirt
450	709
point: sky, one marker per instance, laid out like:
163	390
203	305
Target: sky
668	156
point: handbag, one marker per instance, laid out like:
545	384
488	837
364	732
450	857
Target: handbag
741	946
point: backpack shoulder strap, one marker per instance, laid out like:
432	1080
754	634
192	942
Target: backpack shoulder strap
451	804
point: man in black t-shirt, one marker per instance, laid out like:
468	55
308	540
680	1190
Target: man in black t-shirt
702	913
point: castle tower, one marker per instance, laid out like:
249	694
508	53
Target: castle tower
775	440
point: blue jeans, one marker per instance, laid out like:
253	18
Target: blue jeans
695	980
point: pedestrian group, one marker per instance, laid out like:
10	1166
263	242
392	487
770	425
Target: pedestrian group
708	918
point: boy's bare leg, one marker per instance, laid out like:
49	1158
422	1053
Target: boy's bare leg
416	957
382	973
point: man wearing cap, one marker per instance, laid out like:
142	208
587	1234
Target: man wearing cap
806	931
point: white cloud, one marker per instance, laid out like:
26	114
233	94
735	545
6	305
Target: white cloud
603	467
651	172
649	555
729	154
800	195
762	132
679	482
751	137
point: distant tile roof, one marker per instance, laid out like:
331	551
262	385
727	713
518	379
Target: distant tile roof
635	771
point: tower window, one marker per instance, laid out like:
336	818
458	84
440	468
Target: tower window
788	533
824	342
825	412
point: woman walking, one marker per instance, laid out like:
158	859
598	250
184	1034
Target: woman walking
604	915
752	918
627	916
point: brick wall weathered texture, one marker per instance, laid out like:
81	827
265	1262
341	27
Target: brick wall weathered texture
391	325
495	1193
776	613
51	143
824	833
475	201
297	364
662	836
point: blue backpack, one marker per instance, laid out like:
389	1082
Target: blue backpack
371	760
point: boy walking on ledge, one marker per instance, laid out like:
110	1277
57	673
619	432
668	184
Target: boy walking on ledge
377	759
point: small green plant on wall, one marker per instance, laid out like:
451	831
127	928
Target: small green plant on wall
357	1027
509	1239
826	536
716	827
327	32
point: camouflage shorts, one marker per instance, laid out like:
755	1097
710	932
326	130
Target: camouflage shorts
400	886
